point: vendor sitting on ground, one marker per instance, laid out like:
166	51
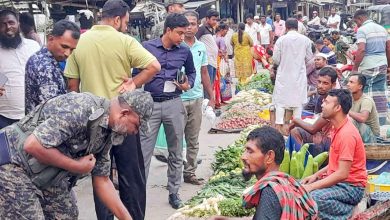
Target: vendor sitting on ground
276	195
339	187
363	111
318	133
319	63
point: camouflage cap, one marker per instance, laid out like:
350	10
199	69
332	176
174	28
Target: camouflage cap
142	103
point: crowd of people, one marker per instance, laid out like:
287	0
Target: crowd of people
61	123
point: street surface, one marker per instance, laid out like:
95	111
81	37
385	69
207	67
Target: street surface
157	206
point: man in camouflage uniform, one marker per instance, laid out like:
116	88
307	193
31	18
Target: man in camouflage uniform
71	134
342	46
171	6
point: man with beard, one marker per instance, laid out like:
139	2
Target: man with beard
64	138
44	76
14	53
101	64
276	195
339	187
318	133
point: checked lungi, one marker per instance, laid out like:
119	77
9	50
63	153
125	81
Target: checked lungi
376	88
338	201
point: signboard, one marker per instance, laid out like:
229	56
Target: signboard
279	5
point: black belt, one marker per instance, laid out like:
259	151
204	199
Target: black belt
163	99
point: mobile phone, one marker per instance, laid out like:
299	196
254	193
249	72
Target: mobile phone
180	77
3	80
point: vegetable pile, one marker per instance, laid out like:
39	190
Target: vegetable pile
228	159
259	82
251	96
295	165
222	194
244	109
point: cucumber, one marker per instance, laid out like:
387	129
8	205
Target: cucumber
285	165
321	158
309	167
294	171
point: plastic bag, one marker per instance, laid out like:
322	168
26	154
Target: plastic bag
161	141
224	67
208	111
227	92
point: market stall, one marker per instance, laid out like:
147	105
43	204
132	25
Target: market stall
248	107
222	194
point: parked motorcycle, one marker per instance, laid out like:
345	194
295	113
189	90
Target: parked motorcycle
315	32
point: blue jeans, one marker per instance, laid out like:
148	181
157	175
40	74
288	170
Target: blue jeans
4	122
212	73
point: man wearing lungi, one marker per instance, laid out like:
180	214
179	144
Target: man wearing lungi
370	60
339	187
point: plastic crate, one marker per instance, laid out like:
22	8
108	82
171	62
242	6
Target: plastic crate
380	196
377	187
307	114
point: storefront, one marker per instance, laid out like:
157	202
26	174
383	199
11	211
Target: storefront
237	9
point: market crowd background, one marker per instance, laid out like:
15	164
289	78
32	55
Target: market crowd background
220	57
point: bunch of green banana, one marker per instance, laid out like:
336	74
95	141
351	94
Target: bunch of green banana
295	166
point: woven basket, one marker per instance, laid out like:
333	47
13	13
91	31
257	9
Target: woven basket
377	151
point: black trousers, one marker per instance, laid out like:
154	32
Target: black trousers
131	179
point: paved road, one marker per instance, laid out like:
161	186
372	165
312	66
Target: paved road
157	196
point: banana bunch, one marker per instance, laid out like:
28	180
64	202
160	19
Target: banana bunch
294	165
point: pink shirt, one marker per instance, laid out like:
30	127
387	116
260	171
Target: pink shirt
280	28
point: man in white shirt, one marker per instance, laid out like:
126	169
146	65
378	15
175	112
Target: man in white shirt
257	19
252	28
301	26
334	20
316	20
14	53
229	46
266	34
291	52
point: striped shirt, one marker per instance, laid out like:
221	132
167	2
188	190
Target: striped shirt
375	37
205	35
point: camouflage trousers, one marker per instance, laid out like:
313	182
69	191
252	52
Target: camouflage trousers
21	199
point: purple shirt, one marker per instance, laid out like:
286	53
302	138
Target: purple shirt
221	44
171	61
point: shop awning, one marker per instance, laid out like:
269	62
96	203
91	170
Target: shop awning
193	5
196	4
